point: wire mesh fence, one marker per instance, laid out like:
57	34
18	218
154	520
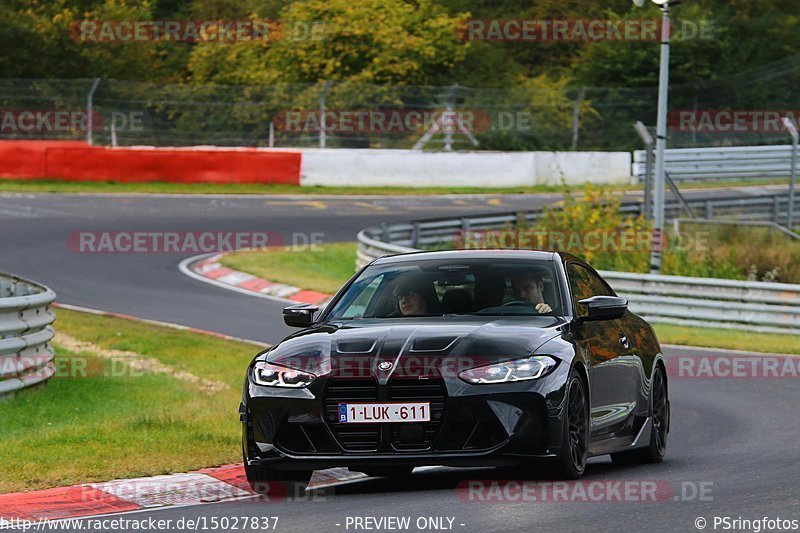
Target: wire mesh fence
739	110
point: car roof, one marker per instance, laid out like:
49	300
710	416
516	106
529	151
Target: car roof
538	255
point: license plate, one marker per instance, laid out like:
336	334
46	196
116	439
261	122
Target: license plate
371	413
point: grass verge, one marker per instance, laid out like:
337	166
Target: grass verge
56	186
324	269
327	270
100	419
728	339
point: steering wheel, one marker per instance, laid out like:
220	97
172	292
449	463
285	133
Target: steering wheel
517	302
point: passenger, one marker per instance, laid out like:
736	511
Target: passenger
415	297
529	287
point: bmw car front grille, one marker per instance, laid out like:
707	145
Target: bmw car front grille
387	437
352	437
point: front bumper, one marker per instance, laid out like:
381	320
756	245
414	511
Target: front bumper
471	425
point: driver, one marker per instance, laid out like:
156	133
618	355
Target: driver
414	297
528	287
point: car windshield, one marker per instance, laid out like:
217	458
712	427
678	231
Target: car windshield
512	287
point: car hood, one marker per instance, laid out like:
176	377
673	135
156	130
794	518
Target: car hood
412	347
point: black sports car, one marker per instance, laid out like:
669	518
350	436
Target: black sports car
460	358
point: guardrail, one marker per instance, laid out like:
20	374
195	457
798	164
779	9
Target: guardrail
26	354
734	162
769	205
750	305
676	225
744	305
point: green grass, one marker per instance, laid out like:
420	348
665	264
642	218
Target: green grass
325	269
331	267
95	424
728	339
57	186
203	355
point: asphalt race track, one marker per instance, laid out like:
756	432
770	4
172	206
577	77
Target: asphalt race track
734	439
35	230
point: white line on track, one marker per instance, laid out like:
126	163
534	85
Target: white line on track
170	325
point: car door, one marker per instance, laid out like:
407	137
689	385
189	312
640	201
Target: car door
613	393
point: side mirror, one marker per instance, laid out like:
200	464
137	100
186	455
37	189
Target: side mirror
604	307
299	316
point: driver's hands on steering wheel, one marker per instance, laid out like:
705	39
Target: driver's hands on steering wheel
540	308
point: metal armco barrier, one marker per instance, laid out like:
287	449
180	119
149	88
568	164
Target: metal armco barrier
767	205
749	305
744	305
735	162
26	354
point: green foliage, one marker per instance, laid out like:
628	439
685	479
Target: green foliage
370	41
591	227
728	251
43	39
392	41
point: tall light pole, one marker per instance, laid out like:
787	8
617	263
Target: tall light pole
661	135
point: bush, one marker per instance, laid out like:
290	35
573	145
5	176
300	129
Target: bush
591	227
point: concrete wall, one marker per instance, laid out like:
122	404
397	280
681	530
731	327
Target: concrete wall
75	161
579	167
407	168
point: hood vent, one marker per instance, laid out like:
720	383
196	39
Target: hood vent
355	345
433	344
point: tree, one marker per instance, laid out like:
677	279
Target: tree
369	41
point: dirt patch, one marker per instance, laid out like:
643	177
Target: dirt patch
136	361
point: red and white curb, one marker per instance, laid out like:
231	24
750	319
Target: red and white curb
210	485
209	269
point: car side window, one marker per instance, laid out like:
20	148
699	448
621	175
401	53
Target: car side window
359	305
584	283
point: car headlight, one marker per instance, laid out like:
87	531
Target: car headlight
272	375
523	369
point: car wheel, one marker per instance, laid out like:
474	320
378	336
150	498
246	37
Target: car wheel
659	414
574	452
389	471
259	478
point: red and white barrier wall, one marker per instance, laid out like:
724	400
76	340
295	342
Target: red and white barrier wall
76	161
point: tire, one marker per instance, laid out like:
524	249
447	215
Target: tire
659	414
291	481
389	471
571	462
